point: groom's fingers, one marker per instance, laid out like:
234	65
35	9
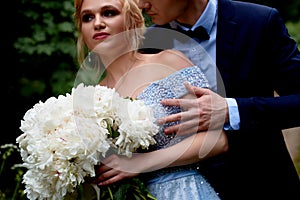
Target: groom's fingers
189	88
170	118
196	91
184	128
171	102
184	104
188	123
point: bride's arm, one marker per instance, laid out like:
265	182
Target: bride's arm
192	149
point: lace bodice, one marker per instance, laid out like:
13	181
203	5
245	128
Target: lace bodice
170	87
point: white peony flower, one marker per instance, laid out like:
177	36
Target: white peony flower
64	138
137	127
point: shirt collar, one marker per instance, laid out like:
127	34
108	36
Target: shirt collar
206	19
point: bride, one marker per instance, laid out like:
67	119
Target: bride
112	31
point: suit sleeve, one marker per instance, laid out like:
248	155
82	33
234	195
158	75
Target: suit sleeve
278	112
283	111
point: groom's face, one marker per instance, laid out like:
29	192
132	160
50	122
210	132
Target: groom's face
164	11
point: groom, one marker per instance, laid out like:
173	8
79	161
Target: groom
254	57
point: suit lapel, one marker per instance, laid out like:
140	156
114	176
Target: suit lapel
226	31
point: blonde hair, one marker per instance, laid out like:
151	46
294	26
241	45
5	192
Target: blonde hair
134	21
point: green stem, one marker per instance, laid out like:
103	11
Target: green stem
2	166
16	191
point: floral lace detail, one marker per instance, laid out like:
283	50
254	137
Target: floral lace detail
170	87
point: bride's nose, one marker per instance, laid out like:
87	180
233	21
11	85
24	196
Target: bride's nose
99	23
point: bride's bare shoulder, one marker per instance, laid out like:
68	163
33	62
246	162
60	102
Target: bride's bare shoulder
173	58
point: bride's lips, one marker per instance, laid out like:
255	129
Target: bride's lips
100	36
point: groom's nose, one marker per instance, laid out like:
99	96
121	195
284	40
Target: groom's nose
144	4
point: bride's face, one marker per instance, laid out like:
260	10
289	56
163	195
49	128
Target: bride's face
101	19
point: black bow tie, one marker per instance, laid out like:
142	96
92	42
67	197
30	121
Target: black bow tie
199	33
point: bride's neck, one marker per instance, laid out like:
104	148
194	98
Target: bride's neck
118	68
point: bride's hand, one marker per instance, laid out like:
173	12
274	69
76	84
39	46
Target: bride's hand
115	168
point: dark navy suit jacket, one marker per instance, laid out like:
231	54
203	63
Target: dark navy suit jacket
255	57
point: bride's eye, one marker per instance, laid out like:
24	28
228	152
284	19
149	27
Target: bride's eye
87	18
110	13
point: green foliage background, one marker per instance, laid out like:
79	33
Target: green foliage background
38	50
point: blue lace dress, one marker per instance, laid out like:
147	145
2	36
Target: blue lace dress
185	182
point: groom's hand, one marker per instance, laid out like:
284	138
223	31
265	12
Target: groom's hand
202	110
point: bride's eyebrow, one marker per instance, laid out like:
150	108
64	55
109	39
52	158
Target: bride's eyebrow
107	7
84	12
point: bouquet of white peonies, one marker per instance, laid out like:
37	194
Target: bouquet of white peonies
64	138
